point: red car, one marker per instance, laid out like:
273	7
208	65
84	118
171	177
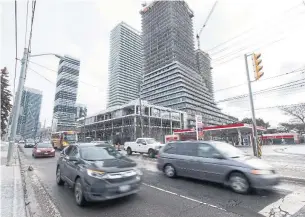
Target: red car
43	149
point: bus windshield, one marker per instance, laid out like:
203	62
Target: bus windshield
70	137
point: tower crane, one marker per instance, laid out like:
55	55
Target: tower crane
205	23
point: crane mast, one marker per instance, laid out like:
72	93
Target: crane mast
205	23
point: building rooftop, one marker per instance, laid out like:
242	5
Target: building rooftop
32	90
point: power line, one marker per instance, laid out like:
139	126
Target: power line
56	72
239	55
276	76
278	87
272	107
26	22
16	48
248	30
42	76
291	89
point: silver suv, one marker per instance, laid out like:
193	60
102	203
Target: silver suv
217	162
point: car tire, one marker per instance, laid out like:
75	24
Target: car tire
169	170
129	151
59	180
151	153
78	193
239	183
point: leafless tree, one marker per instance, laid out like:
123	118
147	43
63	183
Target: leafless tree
296	111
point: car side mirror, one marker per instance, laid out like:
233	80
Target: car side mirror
218	156
73	158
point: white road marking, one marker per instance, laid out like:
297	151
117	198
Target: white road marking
286	206
184	197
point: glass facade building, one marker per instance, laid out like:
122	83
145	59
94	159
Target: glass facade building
171	75
205	69
125	65
28	121
64	113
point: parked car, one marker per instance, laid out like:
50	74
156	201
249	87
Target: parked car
29	143
97	172
143	145
43	149
217	162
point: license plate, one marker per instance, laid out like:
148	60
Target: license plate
46	153
124	188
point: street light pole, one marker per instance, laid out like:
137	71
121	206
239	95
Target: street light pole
17	101
255	148
16	107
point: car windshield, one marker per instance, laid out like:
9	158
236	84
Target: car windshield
151	141
44	145
30	140
228	150
95	153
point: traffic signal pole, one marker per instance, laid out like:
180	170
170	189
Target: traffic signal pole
254	129
16	107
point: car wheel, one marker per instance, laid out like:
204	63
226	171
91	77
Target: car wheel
169	171
129	151
151	153
239	183
78	193
59	181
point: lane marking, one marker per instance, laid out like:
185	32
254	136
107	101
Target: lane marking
286	206
184	197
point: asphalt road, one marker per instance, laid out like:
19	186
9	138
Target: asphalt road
160	196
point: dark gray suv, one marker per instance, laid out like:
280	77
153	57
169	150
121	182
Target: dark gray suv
217	162
97	172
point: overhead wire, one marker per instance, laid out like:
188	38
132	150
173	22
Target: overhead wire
278	87
273	107
57	71
302	69
248	30
233	54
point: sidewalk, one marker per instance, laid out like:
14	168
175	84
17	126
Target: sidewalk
12	196
288	165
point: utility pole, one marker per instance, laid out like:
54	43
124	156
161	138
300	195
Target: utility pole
16	107
140	107
255	148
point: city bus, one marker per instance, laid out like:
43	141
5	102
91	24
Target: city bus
63	138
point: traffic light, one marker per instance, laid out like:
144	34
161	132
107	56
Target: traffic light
257	66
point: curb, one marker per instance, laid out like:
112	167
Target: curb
38	201
29	197
294	179
279	150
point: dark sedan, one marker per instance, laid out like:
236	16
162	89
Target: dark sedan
97	172
29	143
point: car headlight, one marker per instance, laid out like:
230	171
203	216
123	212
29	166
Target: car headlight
96	174
38	150
53	150
139	172
261	172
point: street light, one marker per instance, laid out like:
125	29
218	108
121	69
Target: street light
17	101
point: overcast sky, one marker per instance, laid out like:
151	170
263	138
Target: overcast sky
82	28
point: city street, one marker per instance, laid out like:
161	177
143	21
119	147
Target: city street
161	196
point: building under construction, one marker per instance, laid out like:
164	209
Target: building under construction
131	121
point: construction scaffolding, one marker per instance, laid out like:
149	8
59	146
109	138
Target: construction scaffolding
125	121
